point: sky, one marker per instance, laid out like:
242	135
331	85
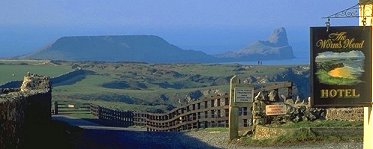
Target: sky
212	26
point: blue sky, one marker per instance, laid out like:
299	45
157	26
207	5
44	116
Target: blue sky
212	26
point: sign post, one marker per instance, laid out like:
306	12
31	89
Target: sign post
365	9
241	95
233	110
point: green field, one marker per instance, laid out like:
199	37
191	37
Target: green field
15	70
148	87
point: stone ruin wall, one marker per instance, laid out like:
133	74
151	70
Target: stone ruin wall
300	110
24	111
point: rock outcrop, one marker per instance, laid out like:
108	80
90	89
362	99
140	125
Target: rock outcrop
25	112
275	48
35	82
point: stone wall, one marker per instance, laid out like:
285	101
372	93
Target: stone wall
288	109
67	76
24	112
346	114
299	110
264	132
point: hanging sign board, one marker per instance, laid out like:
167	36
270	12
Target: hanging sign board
244	94
341	66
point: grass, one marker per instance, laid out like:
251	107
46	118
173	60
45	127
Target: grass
323	123
220	129
300	136
93	83
161	85
301	133
111	104
10	72
230	69
298	133
208	70
290	137
91	88
223	129
82	116
294	136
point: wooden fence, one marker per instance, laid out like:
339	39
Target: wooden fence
210	111
70	107
113	117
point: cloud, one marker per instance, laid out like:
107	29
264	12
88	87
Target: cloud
339	55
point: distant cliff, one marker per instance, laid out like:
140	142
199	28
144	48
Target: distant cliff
153	49
140	48
275	48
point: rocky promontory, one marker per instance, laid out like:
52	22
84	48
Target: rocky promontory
275	48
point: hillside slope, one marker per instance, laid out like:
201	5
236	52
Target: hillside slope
141	48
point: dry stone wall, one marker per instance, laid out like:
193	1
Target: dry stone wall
294	111
24	111
68	75
346	114
262	132
265	132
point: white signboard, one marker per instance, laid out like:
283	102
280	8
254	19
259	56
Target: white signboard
275	109
244	94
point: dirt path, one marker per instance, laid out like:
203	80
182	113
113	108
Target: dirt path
95	136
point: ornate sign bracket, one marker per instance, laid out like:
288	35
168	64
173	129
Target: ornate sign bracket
352	12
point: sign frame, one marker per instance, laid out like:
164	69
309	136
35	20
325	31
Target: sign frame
340	66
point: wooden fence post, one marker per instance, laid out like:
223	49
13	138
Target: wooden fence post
56	108
233	111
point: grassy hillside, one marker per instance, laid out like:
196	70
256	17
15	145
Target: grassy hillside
153	87
15	70
163	86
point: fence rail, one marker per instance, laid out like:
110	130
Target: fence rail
70	107
113	117
207	112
